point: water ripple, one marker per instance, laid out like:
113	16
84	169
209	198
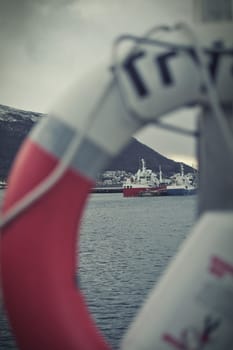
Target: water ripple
125	246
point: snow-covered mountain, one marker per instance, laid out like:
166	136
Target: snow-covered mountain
14	127
10	114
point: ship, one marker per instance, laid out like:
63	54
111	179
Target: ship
3	184
181	184
144	183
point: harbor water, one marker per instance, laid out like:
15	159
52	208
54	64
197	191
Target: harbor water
125	245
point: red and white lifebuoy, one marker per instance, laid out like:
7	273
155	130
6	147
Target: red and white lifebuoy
38	250
46	308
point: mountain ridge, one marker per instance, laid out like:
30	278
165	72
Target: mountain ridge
15	124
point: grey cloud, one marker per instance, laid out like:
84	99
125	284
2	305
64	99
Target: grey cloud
20	20
45	44
34	31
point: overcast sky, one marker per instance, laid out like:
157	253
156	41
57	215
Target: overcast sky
46	44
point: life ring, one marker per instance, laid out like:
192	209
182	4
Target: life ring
46	309
38	248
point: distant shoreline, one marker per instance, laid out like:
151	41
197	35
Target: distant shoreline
116	189
93	190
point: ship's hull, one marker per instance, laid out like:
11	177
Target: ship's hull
180	191
144	191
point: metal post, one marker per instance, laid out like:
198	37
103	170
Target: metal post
213	10
214	157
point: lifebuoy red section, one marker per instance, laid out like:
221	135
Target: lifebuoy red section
46	309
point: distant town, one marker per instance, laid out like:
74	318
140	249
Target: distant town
108	178
112	178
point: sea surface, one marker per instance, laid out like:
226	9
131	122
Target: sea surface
125	246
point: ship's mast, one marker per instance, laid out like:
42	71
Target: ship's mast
215	158
181	170
160	174
143	165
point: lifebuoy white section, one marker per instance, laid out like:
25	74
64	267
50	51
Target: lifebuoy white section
96	99
191	307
